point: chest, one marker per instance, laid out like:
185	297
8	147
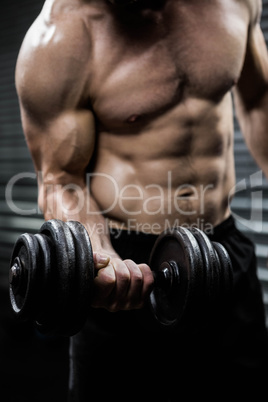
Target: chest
195	49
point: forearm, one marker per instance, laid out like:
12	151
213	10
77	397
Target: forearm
73	202
118	285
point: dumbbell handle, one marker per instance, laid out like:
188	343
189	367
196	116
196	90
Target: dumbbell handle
164	278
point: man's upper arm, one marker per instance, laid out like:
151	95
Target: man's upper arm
253	81
57	122
251	95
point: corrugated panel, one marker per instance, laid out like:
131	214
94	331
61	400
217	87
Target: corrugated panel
15	158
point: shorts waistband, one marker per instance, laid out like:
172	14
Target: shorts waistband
225	227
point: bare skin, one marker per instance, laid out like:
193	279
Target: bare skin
139	98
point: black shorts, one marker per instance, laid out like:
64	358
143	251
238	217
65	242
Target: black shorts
119	356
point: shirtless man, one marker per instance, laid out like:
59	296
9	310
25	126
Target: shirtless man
127	111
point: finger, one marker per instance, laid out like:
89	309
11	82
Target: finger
104	284
117	298
134	295
100	260
148	281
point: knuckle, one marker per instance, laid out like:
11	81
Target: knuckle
107	277
129	262
124	279
136	273
123	275
138	278
147	274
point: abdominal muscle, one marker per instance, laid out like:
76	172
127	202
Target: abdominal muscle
176	170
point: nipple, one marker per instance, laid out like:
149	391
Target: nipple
133	118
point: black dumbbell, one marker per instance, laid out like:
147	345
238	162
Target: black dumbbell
200	278
52	273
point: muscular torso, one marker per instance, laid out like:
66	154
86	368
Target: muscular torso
162	99
159	84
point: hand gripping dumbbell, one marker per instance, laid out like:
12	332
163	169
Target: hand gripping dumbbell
52	274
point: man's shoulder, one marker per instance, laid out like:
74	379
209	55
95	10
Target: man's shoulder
59	32
254	8
54	59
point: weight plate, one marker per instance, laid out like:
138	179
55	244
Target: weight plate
178	245
84	276
23	289
226	270
62	272
46	296
211	265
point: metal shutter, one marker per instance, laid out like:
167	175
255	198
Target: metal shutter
15	158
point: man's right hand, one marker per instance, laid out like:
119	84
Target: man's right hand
120	285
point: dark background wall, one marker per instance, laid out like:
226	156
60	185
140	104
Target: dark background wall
33	368
15	18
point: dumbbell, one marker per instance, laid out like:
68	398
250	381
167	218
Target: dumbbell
52	275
